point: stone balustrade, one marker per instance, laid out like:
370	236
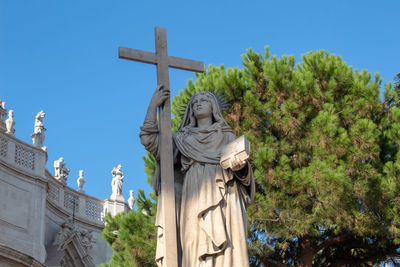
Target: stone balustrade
64	198
21	156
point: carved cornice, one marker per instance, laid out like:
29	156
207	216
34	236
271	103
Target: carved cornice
16	257
22	174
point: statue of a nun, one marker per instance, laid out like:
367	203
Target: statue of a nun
210	201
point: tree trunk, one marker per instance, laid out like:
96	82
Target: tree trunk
306	252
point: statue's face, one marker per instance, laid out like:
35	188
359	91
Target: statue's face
202	107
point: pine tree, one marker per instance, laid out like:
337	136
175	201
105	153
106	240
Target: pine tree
132	236
325	152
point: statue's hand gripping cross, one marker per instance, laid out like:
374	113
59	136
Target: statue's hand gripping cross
163	62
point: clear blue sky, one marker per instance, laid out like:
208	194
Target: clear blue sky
61	56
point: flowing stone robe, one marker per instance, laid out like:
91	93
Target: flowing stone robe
211	202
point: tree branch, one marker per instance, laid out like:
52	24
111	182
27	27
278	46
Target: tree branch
333	240
272	262
391	251
267	220
265	259
343	262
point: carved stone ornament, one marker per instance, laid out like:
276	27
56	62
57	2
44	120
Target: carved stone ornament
131	199
10	123
76	244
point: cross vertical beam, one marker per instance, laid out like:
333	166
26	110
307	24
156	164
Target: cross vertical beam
166	154
163	62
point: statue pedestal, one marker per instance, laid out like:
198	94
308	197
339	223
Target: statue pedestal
115	206
117	198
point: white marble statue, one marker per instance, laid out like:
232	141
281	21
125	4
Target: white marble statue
80	181
10	123
116	183
38	133
61	171
211	200
131	199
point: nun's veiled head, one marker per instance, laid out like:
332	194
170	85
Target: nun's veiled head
202	104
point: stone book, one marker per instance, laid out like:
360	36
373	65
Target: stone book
239	149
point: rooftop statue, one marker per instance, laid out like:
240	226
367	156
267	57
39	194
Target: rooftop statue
61	171
80	181
211	201
10	122
116	183
38	133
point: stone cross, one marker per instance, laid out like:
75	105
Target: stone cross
163	62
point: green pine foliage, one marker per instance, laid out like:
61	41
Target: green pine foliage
132	236
325	153
322	144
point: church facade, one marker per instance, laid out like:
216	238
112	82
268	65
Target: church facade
43	222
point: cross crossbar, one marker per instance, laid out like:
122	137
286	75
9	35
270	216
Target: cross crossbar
151	58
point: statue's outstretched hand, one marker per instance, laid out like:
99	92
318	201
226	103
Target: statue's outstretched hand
160	95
